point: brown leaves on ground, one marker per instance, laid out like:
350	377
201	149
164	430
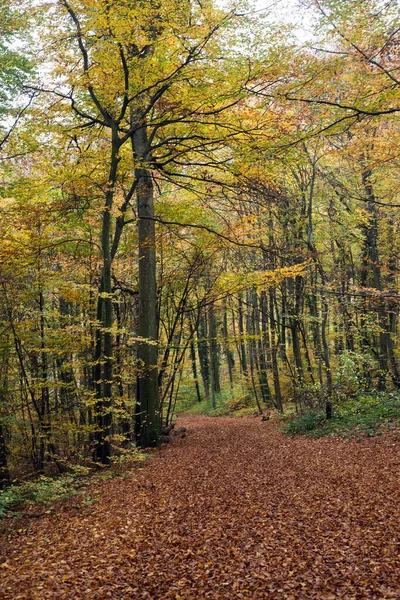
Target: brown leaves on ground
235	510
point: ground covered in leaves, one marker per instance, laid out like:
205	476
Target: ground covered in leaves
234	510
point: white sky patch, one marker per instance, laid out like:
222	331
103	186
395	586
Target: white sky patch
289	12
292	13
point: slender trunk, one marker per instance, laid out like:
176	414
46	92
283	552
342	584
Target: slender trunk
344	312
4	471
44	389
214	361
392	309
173	405
65	374
228	353
28	391
202	348
236	340
47	444
103	368
371	266
297	352
242	353
259	350
274	350
282	332
193	360
294	329
194	369
316	329
303	333
329	382
126	420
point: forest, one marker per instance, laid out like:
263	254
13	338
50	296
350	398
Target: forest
199	211
199	299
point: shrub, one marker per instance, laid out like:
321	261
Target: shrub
44	490
305	423
362	415
353	374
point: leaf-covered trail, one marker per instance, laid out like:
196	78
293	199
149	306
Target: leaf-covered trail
235	510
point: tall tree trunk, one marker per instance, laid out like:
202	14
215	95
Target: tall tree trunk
259	349
315	328
194	369
392	309
214	360
274	346
103	350
371	266
242	353
329	381
393	312
65	374
4	472
228	353
148	425
47	443
193	359
283	319
202	347
344	312
295	327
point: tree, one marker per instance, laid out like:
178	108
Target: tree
148	86
15	67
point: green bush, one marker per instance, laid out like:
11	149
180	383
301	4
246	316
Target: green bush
47	490
353	374
44	490
305	423
362	415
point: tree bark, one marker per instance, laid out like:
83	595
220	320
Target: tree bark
103	358
202	347
242	353
148	423
4	472
228	353
371	266
274	350
214	361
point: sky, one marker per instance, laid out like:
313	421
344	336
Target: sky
289	11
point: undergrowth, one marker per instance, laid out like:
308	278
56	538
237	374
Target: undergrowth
361	416
237	401
46	490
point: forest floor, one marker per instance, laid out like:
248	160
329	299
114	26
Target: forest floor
234	510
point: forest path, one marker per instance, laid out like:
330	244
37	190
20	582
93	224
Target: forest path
235	510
